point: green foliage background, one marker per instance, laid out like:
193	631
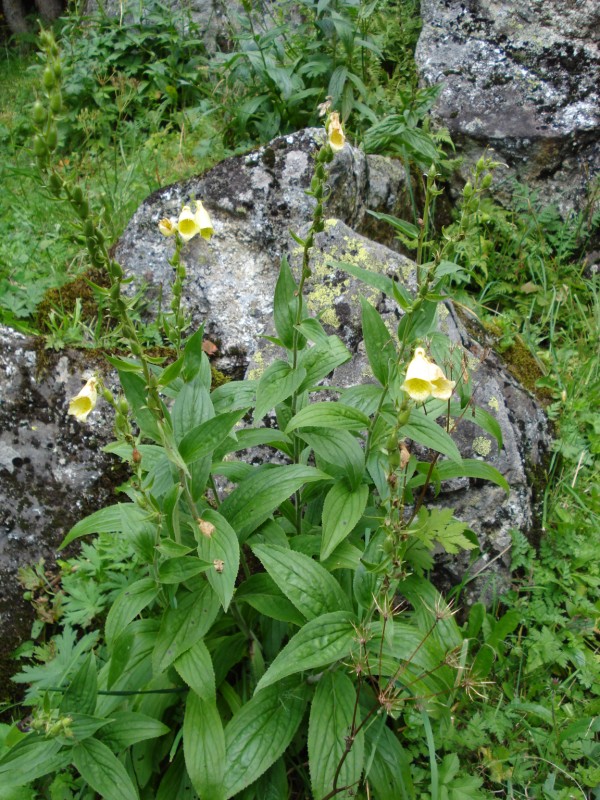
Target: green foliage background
145	106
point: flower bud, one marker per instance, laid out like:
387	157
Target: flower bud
56	102
468	190
52	138
40	148
480	166
77	195
88	228
48	78
39	114
55	184
487	181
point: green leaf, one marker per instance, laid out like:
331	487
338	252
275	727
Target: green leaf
379	342
32	758
192	407
278	382
259	733
336	84
330	723
195	362
203	439
204	747
468	468
303	581
320	642
285	309
183	626
176	783
129	603
234	396
262	492
328	414
426	431
196	669
134	387
342	509
407	229
486	421
340	449
126	728
178	570
111	519
389	774
262	593
320	360
221	546
103	771
374	279
83	690
170	373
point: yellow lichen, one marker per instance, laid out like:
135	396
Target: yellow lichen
482	445
255	373
493	403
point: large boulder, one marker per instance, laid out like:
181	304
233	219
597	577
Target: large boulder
522	77
52	470
254	202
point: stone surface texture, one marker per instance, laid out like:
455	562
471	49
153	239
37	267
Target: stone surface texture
522	77
52	470
254	201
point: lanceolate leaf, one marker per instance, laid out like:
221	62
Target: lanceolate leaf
260	732
285	309
320	360
181	627
378	342
262	593
374	279
332	415
103	771
342	510
389	773
339	448
107	520
204	438
307	584
222	551
425	431
278	382
204	747
128	727
196	669
128	605
331	717
320	642
262	492
468	468
31	758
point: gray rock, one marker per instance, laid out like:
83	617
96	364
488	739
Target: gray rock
52	470
521	77
254	202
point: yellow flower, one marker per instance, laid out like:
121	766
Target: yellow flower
84	402
203	221
441	386
168	226
335	132
425	378
187	224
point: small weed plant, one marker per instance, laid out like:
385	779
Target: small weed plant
276	637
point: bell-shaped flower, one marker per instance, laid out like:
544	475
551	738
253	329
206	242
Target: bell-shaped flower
83	403
424	379
335	132
187	224
441	386
203	221
419	375
168	226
